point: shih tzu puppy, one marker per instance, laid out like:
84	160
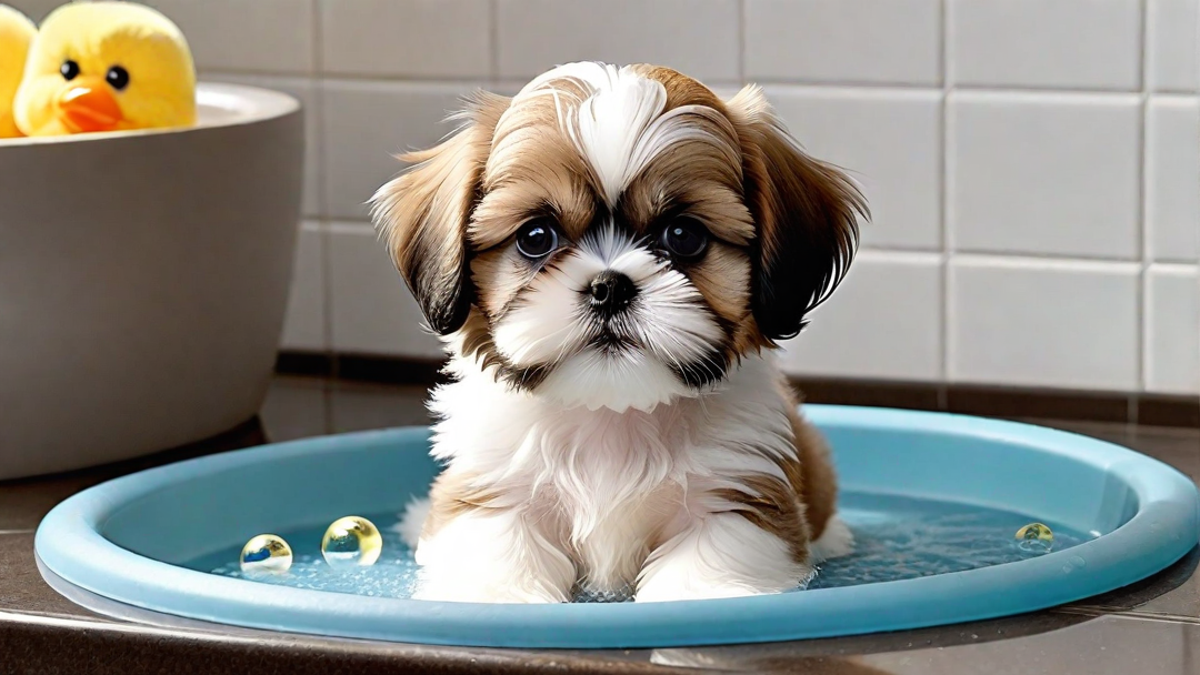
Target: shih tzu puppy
610	256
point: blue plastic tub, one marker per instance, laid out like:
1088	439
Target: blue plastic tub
131	540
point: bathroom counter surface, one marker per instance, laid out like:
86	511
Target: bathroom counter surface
1151	628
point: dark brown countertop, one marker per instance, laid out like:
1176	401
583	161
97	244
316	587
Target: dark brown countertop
1151	628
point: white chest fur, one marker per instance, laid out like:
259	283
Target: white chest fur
603	485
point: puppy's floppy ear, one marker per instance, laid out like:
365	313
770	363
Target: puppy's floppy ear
807	216
422	215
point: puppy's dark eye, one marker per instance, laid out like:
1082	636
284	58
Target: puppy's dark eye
685	238
537	239
69	70
117	77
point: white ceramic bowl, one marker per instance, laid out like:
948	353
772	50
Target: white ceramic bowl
143	281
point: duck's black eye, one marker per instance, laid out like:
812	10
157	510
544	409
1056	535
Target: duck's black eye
69	70
537	239
117	77
685	238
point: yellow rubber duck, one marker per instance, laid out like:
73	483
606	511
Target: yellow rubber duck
106	66
16	34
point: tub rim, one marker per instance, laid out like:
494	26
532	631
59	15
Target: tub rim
250	105
69	542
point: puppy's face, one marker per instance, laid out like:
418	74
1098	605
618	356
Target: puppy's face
618	237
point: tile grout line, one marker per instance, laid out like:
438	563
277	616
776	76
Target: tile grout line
323	203
1143	65
494	36
1194	88
358	225
944	43
945	333
357	222
741	40
1044	260
846	86
1141	343
404	80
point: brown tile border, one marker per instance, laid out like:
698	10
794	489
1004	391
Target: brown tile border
304	363
359	368
1169	411
372	369
1012	402
914	395
1048	404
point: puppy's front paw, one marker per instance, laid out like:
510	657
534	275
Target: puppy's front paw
496	557
721	556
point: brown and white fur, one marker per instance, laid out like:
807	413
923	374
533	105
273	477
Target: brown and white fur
647	442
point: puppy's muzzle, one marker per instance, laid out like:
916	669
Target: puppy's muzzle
611	292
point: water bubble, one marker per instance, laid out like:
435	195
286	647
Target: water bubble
266	553
1035	538
351	541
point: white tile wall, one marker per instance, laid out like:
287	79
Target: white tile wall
261	36
1045	174
1171	50
1039	323
364	124
1069	44
836	41
1173	178
699	38
1172	329
373	312
1033	164
886	322
307	91
307	328
890	142
413	38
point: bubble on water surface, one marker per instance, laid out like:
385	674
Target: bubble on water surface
351	541
1035	538
266	553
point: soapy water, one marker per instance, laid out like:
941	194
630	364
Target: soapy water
393	575
896	538
901	538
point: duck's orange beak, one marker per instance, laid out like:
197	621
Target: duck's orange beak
89	106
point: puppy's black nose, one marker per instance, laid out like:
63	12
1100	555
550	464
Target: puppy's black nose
612	292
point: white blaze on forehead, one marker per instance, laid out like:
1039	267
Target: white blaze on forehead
618	124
